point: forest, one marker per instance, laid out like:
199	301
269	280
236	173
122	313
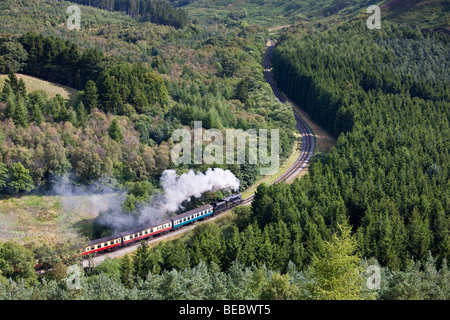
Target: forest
378	197
159	12
388	175
118	128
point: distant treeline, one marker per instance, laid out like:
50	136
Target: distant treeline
154	11
116	84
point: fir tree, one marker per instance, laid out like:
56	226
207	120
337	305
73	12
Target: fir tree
126	271
7	92
3	175
20	117
13	81
115	131
82	115
10	109
21	88
90	96
36	114
337	273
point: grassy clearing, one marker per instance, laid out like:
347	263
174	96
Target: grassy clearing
52	89
33	219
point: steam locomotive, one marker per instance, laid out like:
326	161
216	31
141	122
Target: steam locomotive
129	237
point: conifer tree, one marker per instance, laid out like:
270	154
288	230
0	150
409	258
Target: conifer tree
20	117
90	97
7	92
21	88
82	115
36	114
126	271
115	131
10	109
3	175
140	266
13	81
337	272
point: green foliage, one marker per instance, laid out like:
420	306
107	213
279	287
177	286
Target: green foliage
82	115
115	131
337	271
17	262
207	282
20	116
17	86
36	114
14	57
4	177
20	179
389	183
90	96
126	271
156	11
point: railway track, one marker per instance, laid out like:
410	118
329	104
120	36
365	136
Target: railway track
307	136
300	163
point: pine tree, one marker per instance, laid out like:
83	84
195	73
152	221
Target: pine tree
126	271
21	88
115	131
7	92
82	115
20	117
3	175
36	114
242	91
419	235
10	109
140	266
90	97
337	272
13	81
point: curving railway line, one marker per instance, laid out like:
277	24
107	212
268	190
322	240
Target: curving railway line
307	149
307	136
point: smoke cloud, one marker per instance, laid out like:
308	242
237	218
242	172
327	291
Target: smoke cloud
95	197
175	191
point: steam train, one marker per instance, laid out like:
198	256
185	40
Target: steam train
129	237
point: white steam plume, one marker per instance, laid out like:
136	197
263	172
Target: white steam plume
176	190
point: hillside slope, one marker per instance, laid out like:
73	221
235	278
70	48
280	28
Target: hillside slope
425	14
